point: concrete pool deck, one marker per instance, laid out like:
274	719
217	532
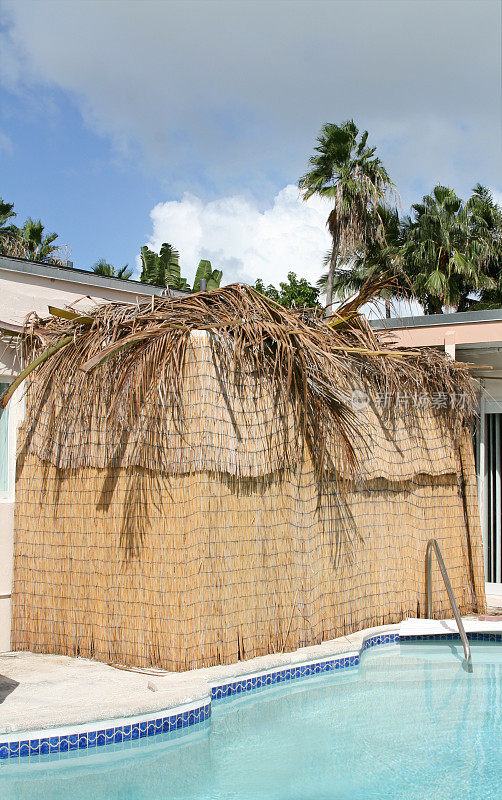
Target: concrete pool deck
44	692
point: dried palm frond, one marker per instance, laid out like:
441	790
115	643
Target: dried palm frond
118	362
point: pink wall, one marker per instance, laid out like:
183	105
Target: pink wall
463	333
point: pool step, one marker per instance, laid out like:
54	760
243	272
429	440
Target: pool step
413	627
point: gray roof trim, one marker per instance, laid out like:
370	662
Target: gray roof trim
431	320
81	277
10	327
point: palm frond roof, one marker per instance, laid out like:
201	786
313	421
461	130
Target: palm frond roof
142	384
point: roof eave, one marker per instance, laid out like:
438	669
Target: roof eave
431	320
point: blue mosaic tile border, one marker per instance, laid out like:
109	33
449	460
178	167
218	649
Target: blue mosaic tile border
249	684
301	671
380	638
104	736
473	636
282	675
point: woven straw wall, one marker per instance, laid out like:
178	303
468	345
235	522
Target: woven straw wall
137	568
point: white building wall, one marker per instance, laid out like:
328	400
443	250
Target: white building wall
9	368
22	292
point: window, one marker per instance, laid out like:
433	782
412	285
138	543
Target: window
4	445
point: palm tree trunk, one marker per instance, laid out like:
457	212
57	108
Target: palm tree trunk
329	283
387	308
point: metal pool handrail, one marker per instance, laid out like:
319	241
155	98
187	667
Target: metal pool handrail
432	544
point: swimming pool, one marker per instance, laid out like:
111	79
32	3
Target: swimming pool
408	723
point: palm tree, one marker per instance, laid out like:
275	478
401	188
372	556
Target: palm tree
486	224
38	247
346	171
8	232
379	258
102	267
7	213
446	251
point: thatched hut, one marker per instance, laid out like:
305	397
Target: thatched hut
215	477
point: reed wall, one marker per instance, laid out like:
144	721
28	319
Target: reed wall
136	567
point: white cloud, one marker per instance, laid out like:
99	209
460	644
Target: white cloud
244	241
497	196
223	94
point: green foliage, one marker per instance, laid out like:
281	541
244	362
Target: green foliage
486	223
102	267
295	293
164	270
448	254
268	291
7	213
30	241
450	247
169	263
149	267
212	276
9	234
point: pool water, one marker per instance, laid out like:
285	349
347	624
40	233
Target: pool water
409	724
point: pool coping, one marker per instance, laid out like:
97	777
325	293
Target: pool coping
100	733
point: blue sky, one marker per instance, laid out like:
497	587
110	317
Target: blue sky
55	167
131	122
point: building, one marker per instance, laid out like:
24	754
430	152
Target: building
27	286
473	337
